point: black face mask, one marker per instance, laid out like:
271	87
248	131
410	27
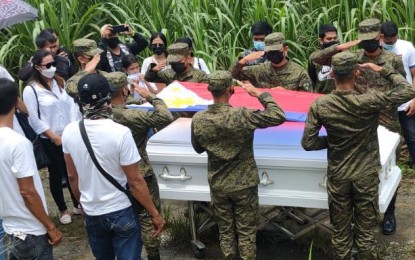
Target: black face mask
178	67
328	44
113	42
157	49
369	45
275	57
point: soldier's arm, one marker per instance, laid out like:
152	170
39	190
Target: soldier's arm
272	115
71	86
158	76
161	115
399	66
196	146
305	83
323	56
202	77
311	139
402	92
240	72
311	70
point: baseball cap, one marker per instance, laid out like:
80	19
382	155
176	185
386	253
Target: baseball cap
93	87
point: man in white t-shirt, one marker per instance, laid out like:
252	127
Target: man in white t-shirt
112	226
22	201
406	112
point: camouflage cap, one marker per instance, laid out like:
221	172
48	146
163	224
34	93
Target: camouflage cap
117	79
369	29
86	46
274	42
177	51
344	62
219	80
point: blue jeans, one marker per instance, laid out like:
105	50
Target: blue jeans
115	234
1	239
33	247
408	129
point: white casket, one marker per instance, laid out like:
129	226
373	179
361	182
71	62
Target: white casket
290	176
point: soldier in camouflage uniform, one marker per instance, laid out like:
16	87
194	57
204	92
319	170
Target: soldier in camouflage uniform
226	134
181	68
320	74
369	36
351	121
88	56
279	71
140	122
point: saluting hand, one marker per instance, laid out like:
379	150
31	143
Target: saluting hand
91	66
252	56
347	45
370	66
141	91
252	91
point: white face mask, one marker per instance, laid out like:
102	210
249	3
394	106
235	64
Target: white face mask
49	73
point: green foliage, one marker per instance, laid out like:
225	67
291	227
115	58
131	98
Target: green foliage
220	29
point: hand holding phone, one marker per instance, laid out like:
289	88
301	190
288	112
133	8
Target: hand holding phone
120	28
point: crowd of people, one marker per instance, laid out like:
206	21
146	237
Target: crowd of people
99	145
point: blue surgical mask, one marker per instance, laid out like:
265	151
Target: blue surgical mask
388	47
259	45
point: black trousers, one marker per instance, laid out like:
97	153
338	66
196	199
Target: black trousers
57	169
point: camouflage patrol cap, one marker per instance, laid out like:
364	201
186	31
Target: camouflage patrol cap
86	46
344	62
369	29
117	79
274	42
219	80
177	51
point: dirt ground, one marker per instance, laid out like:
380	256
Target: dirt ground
272	244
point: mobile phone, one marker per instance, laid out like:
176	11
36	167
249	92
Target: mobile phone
120	28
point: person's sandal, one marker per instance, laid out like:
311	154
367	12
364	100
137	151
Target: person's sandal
65	219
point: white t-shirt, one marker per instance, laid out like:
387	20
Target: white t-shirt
113	146
146	64
200	64
406	51
17	127
57	108
5	74
17	161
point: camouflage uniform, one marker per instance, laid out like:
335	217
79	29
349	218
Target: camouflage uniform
320	76
87	47
226	134
140	122
368	80
176	52
291	76
254	62
351	121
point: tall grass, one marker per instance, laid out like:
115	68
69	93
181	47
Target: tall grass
220	29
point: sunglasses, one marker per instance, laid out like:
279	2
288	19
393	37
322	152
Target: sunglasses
157	45
50	64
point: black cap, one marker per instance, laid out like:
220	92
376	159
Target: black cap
93	87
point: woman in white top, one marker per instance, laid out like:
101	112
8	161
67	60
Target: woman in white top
198	63
158	45
50	110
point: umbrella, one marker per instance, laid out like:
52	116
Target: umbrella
15	11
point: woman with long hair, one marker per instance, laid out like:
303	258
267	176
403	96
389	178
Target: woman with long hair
50	110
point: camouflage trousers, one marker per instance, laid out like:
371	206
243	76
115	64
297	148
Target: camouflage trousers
354	202
237	216
151	243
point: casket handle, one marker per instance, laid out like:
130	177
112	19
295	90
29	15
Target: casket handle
323	183
165	175
265	180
